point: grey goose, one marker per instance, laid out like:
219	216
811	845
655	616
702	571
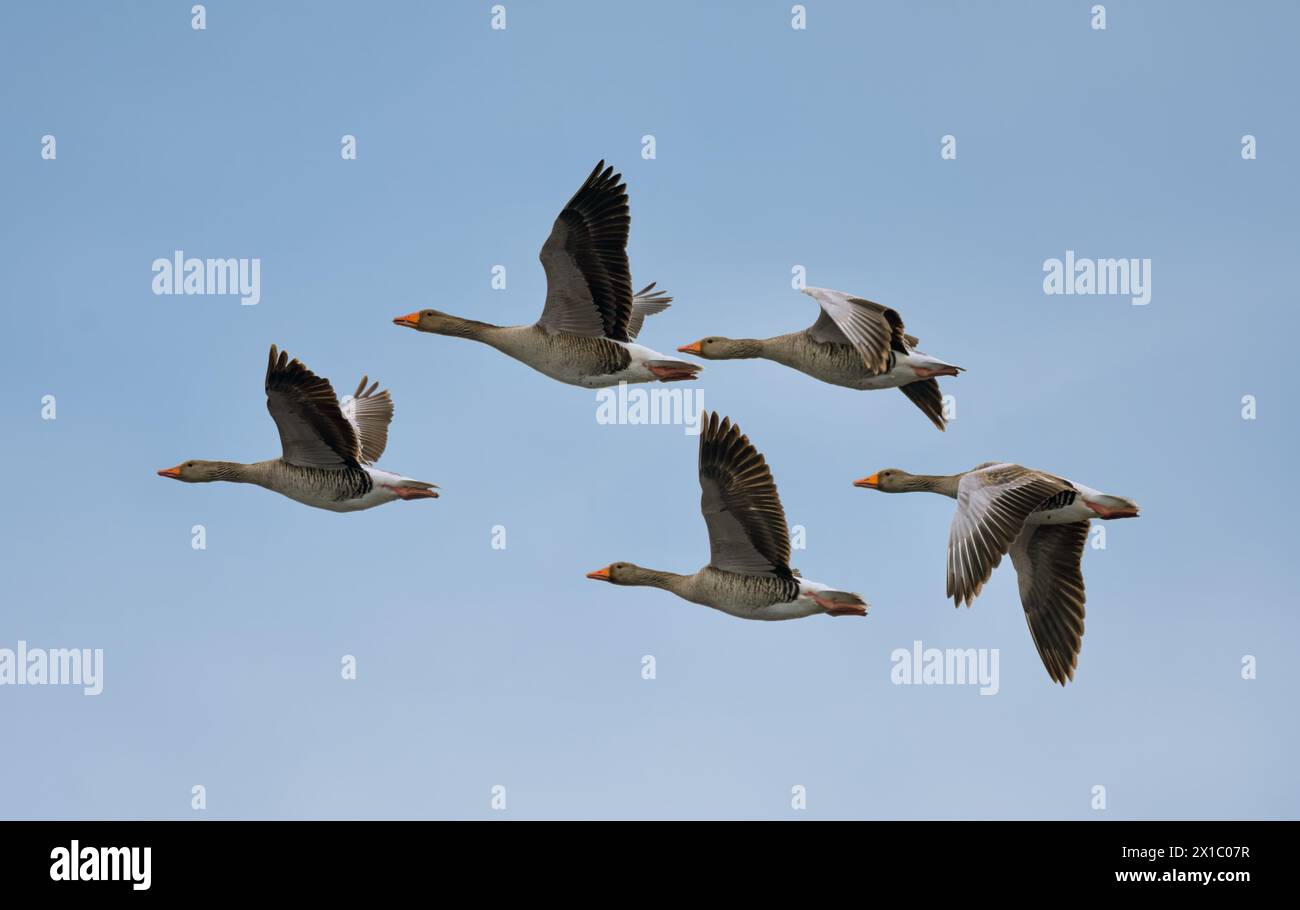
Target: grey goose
1042	520
328	448
748	574
854	343
586	335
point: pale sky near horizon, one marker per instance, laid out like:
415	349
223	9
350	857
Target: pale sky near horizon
774	148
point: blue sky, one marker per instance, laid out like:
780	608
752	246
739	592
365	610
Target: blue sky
775	147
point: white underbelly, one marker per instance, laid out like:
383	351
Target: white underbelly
374	498
903	373
636	371
1079	510
795	609
1076	511
893	379
380	492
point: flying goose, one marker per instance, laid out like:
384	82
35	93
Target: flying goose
329	448
1042	520
586	334
749	572
854	343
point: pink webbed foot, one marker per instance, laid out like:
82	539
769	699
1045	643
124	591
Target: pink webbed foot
846	611
839	608
1106	512
672	371
409	493
927	373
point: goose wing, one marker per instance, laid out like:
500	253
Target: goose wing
370	413
993	502
747	529
588	283
645	302
925	394
1048	561
313	430
872	329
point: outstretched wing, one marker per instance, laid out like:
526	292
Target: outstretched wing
925	394
1048	561
313	430
588	284
747	529
645	302
992	505
370	413
872	329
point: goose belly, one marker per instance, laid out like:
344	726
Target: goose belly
368	501
375	497
380	492
903	371
635	369
572	359
898	376
836	364
332	490
772	612
748	596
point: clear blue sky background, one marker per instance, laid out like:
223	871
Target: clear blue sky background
776	147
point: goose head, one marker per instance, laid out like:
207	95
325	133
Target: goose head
718	348
434	321
620	573
195	471
890	480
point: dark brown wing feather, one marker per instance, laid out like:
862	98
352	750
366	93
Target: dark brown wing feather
313	430
898	339
588	283
925	395
1048	561
747	529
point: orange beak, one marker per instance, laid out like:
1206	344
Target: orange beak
410	320
692	348
871	483
600	574
173	473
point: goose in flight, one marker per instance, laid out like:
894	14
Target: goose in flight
329	448
1042	521
749	572
854	343
586	335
